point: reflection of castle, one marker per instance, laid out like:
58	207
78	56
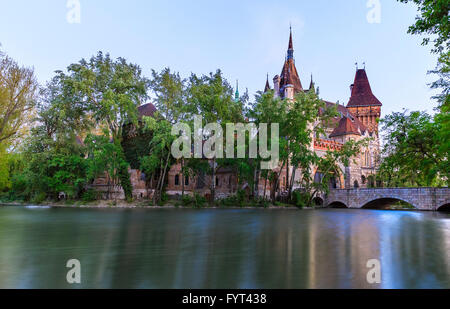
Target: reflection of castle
357	120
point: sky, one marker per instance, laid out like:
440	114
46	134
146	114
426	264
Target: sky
246	39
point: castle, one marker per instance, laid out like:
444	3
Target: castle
358	120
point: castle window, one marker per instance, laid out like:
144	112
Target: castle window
367	159
177	180
356	184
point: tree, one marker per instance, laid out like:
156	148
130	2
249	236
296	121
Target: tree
159	159
105	155
212	97
4	169
18	94
412	155
108	92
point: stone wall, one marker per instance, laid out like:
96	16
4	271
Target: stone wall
420	198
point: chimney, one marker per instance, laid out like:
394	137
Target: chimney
276	85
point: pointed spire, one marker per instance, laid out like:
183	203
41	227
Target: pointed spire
267	88
237	96
312	86
290	54
291	45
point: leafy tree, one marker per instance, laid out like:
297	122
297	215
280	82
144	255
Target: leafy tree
212	97
18	94
4	169
105	155
108	92
159	160
412	153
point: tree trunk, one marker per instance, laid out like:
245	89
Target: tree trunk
164	176
182	178
265	185
291	183
213	182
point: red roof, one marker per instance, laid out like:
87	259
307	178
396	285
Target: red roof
147	110
289	76
345	113
361	92
346	127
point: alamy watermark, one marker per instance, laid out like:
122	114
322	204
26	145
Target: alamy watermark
74	12
74	274
374	274
374	14
208	142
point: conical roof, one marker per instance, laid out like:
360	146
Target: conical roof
362	92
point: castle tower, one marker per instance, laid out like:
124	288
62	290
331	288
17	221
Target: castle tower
363	103
289	83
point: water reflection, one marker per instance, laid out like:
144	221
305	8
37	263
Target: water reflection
223	248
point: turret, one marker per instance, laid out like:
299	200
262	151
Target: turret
289	80
267	87
276	85
363	103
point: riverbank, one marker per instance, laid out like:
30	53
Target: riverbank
139	205
169	205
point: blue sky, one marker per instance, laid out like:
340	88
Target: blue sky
246	39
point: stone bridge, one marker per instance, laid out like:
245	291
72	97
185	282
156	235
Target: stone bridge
378	198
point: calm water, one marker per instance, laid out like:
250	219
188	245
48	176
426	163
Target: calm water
223	248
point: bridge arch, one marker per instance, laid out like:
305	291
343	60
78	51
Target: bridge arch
318	201
445	207
384	203
337	204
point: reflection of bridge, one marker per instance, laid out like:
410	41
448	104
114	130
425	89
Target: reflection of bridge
419	198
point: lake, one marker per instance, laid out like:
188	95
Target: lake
179	248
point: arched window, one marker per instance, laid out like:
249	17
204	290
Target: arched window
186	181
318	177
333	183
363	179
356	184
177	180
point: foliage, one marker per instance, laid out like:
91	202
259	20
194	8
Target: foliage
18	95
433	21
212	97
106	156
4	170
197	201
159	160
413	152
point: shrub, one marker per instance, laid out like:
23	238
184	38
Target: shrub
300	199
39	198
90	196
